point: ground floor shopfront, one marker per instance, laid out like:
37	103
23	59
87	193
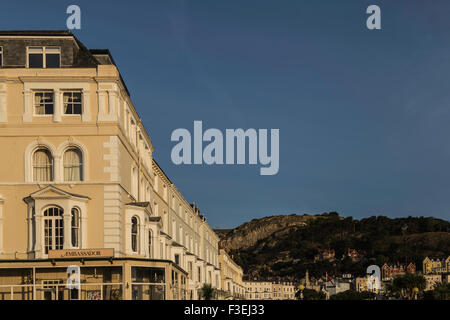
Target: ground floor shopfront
99	279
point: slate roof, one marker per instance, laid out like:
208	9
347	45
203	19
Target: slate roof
79	56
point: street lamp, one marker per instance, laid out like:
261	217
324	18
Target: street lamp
301	288
416	291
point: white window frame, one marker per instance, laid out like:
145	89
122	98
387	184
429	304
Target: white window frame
82	102
137	234
58	87
81	166
77	227
52	164
34	101
54	219
2	57
44	51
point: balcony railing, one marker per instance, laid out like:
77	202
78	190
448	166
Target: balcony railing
86	291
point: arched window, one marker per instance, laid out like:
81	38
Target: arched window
73	165
75	225
134	234
53	229
42	165
150	243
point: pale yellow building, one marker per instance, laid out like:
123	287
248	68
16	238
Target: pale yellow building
283	291
361	284
431	280
231	277
367	283
436	265
258	290
267	290
79	186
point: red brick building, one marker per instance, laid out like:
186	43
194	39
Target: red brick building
389	272
354	254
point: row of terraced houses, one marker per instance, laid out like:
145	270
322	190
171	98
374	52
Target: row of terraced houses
81	196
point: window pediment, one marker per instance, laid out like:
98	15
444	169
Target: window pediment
51	192
146	206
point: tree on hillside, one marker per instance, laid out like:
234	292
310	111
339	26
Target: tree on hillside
408	286
291	251
440	292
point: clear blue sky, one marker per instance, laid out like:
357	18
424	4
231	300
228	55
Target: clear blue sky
363	115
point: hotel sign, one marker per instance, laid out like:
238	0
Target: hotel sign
81	253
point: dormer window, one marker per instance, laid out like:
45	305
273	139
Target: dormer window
44	57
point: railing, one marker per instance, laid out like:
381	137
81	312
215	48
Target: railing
148	291
86	291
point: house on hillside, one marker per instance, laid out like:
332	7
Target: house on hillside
325	255
354	255
436	265
389	272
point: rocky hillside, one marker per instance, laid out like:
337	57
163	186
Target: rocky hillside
249	233
287	246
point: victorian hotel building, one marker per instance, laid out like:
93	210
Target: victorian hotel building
81	196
